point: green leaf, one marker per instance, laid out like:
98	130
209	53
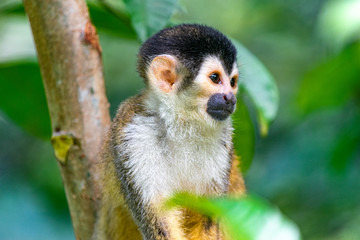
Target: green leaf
150	16
14	7
331	83
22	97
247	218
244	135
110	23
259	85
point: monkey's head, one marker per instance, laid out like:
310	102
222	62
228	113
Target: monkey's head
192	70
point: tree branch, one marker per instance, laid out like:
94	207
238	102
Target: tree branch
70	60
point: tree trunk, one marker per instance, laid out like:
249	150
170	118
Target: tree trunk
70	60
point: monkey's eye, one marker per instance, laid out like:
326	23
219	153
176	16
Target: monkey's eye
215	77
233	82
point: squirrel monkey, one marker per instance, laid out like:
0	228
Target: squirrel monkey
174	136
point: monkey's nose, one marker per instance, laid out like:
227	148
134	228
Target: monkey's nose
220	105
229	98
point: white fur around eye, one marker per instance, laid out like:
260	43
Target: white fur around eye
210	65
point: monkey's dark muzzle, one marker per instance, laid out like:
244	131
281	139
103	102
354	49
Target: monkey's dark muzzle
220	106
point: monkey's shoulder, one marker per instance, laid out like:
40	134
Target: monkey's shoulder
126	112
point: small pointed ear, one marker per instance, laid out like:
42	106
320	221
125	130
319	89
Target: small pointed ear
162	71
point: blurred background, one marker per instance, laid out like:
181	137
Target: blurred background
308	165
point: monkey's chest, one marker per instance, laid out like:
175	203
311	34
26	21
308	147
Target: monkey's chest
194	169
162	168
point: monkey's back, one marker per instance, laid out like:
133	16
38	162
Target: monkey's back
115	220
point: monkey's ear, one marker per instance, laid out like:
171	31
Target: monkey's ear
163	72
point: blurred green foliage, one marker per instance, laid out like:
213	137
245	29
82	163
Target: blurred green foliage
307	165
17	94
244	218
333	82
148	17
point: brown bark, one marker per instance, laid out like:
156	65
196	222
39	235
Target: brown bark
70	60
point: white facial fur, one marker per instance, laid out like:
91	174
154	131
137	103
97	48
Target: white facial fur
204	85
191	104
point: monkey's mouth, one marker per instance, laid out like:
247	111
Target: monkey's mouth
219	114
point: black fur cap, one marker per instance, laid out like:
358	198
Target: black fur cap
190	44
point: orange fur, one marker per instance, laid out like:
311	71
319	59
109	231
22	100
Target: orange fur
237	185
